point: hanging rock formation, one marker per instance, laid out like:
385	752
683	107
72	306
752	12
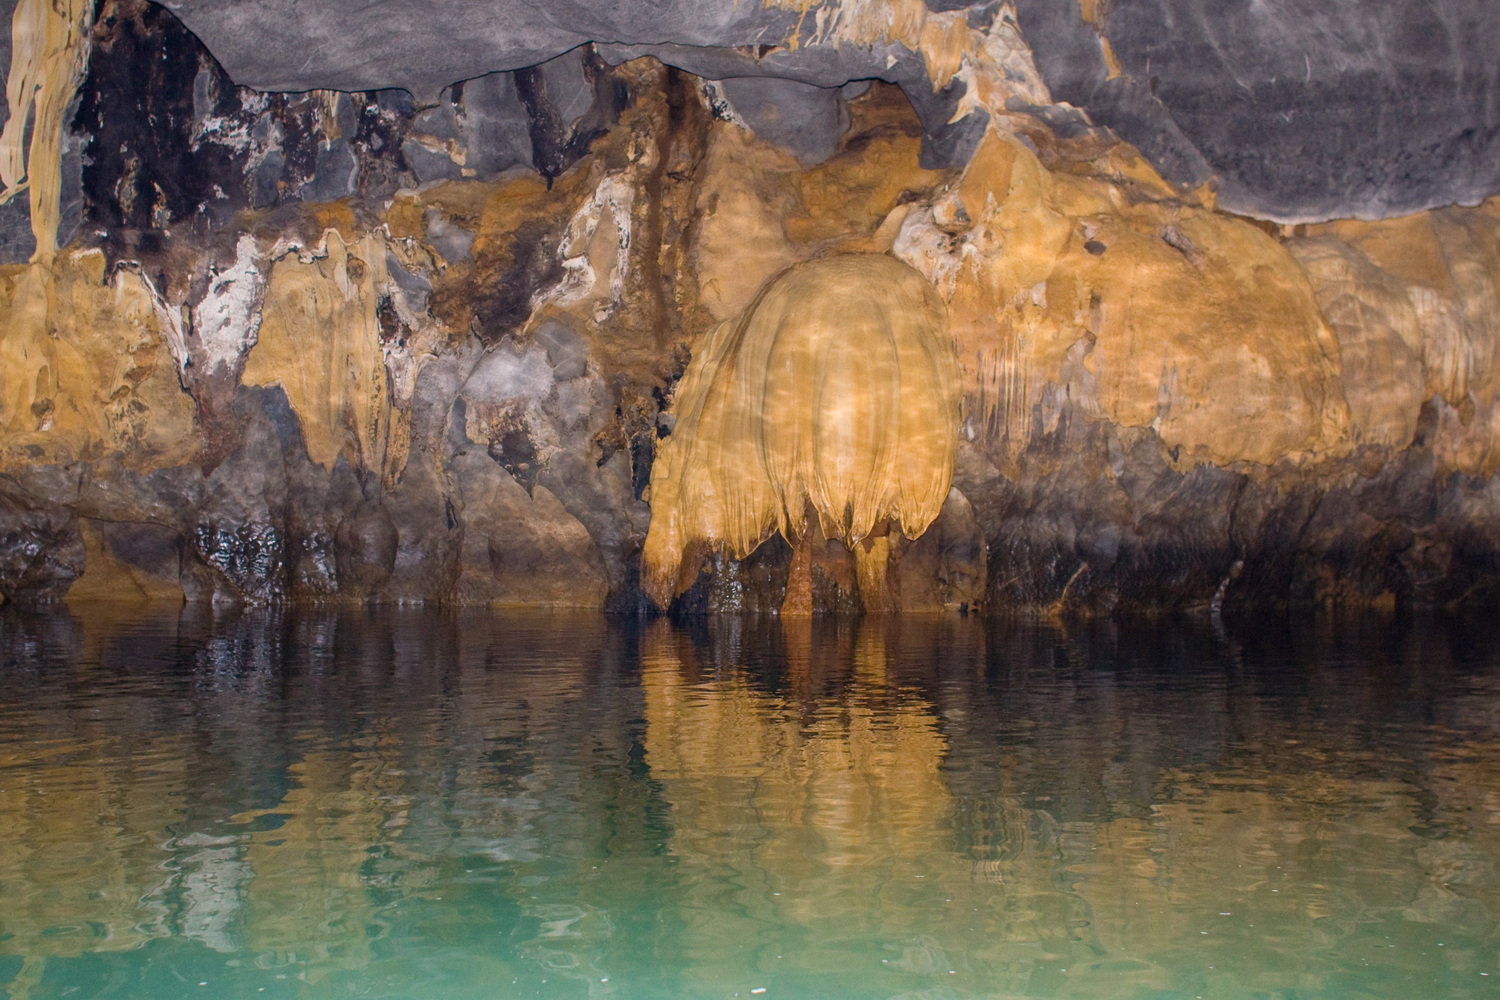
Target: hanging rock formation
834	396
1096	305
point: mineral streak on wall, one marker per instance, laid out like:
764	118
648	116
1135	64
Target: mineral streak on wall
424	318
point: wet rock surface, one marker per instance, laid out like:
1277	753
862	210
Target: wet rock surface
429	345
41	553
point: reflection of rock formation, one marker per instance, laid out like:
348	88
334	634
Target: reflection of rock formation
1085	820
789	809
308	893
215	876
560	798
316	781
80	855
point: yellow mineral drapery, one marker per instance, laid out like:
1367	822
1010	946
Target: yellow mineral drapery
48	57
836	388
319	339
86	366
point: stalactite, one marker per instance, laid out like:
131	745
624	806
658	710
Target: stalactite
49	55
319	338
836	391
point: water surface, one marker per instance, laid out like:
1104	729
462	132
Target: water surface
433	805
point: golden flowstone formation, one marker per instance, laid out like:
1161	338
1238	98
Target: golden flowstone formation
835	391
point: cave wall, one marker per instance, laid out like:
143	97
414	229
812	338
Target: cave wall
419	340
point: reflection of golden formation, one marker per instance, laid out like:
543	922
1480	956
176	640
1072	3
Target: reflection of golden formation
843	815
862	782
81	856
1276	875
785	817
835	392
307	899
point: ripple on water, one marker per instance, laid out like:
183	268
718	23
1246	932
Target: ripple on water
413	803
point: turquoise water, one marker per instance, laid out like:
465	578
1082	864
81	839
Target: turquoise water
418	804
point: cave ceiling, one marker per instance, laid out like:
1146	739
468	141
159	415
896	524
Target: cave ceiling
1300	110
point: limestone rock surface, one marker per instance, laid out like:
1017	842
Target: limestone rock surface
444	345
836	392
1302	111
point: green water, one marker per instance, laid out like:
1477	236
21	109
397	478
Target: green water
418	804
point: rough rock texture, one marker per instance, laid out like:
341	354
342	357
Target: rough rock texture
1293	112
426	48
376	346
1303	110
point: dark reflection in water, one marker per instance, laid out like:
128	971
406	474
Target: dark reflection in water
426	804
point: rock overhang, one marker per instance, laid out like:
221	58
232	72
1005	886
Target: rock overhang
1299	111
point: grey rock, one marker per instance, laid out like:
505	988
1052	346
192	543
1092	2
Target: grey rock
954	143
477	129
821	66
945	143
807	120
493	123
425	504
520	546
567	84
510	371
600	497
41	550
856	88
414	287
423	50
367	540
1304	111
318	501
428	160
169	497
945	567
152	550
16	240
240	529
265	181
564	110
395	101
454	242
70	201
424	47
567	352
335	175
